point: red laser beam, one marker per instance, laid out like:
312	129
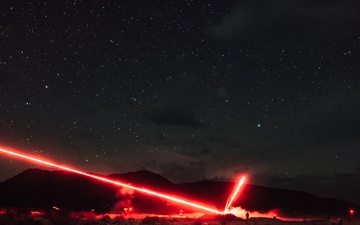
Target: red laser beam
235	193
143	190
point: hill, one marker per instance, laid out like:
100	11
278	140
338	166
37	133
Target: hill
41	189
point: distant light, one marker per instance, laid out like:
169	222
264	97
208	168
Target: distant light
37	213
259	125
352	212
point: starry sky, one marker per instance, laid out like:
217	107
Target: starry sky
189	89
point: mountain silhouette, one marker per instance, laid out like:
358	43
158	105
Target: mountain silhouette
42	189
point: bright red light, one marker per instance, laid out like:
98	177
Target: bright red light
37	213
235	193
352	212
2	211
143	190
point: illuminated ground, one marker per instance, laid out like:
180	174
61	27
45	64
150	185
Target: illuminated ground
150	219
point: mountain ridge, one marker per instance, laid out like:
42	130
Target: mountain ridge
36	188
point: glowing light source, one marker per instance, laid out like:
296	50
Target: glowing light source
235	193
117	183
351	212
36	213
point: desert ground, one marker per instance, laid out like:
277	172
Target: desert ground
149	220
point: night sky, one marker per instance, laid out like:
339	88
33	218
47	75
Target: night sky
188	89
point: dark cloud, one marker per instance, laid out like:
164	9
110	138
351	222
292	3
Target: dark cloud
197	153
205	151
195	143
241	170
192	154
290	23
225	141
184	171
177	114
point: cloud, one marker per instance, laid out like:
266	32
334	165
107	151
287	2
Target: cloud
225	141
195	143
289	23
183	171
177	114
196	152
241	170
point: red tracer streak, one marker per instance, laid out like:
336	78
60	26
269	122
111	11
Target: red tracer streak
235	193
143	190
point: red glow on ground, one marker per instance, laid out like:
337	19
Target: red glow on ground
37	213
139	216
241	213
117	183
234	195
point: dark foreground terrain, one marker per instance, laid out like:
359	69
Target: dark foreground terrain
53	190
9	219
